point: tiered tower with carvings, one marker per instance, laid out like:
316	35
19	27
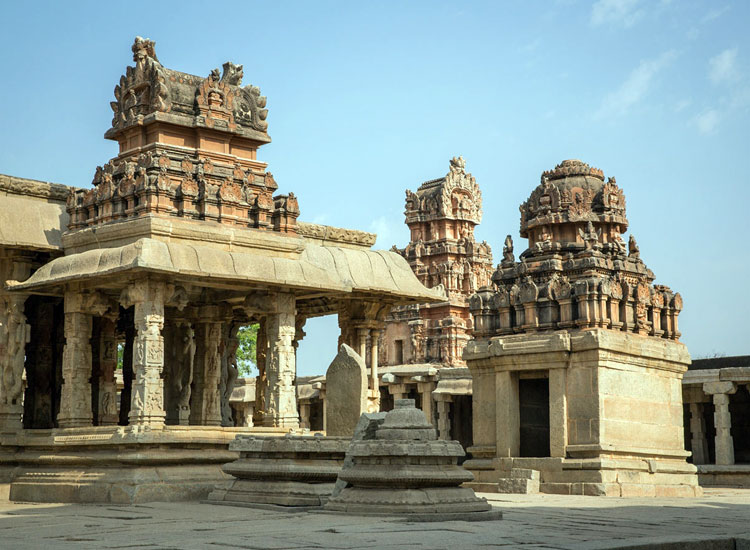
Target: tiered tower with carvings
575	359
577	271
187	148
441	216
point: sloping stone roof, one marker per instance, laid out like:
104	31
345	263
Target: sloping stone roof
318	267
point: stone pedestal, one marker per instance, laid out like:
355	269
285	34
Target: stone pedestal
615	413
283	471
406	472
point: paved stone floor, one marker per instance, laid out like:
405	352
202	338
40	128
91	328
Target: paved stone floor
530	522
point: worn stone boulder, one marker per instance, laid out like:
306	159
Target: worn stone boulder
292	470
405	471
346	392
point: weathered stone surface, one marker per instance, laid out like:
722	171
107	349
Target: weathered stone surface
365	430
580	315
406	471
346	392
442	251
284	471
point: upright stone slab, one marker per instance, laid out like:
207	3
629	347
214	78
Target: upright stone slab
346	392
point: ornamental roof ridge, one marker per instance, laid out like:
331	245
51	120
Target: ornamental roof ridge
217	101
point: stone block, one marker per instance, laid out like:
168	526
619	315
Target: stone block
518	486
637	490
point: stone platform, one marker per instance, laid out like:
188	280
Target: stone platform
112	464
717	521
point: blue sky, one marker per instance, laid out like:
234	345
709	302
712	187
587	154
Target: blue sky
368	99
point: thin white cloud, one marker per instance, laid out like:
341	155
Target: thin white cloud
722	68
387	230
682	105
707	121
635	87
618	12
715	14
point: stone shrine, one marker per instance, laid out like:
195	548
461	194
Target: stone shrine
441	216
405	471
180	240
576	361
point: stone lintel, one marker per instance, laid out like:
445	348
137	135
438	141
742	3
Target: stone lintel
713	388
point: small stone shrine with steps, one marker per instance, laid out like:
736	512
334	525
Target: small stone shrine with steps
406	471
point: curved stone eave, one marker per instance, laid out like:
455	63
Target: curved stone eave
318	268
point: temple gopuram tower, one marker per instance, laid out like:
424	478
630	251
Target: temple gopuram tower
441	216
575	361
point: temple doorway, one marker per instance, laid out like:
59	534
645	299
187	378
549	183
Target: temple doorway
533	394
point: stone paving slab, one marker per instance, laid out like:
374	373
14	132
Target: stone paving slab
714	521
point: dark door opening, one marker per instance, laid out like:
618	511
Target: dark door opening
533	394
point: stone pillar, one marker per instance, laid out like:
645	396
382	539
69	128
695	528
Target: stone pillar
428	407
75	396
374	337
126	395
107	359
444	401
183	383
362	343
484	412
321	387
212	374
14	335
558	413
229	371
722	419
507	422
698	443
304	415
281	406
398	391
261	382
373	402
147	403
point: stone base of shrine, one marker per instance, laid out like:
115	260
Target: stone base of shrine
118	465
717	475
612	476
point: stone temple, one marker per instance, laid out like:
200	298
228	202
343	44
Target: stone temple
181	239
576	361
561	372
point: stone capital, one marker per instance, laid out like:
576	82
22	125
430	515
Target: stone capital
713	388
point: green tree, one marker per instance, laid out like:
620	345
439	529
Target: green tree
246	358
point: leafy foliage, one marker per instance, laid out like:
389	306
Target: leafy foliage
248	337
